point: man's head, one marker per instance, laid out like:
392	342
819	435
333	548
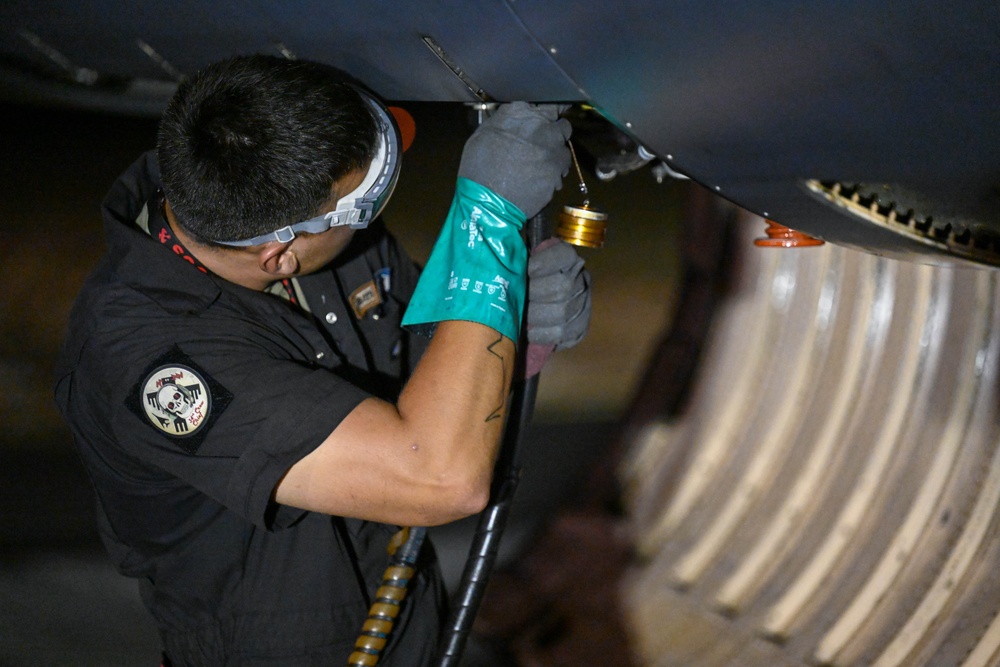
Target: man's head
255	143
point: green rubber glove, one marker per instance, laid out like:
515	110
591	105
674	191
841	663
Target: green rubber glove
477	269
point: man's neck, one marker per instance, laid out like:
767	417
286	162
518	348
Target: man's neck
237	265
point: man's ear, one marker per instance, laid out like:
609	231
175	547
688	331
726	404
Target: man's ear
277	259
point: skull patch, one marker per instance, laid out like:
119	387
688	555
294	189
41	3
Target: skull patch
177	401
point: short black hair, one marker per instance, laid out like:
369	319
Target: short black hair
254	143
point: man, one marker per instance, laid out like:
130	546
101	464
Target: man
254	418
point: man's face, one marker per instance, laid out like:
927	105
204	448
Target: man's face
314	251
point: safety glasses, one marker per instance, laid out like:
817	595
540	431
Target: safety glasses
364	203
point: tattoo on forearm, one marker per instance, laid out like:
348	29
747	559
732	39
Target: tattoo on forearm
498	412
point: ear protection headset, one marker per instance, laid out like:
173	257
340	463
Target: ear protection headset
364	203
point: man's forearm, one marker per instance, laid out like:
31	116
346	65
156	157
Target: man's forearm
459	393
426	460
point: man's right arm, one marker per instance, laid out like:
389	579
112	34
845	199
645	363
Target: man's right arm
429	458
426	460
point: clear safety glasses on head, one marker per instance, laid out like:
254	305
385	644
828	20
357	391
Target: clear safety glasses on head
364	203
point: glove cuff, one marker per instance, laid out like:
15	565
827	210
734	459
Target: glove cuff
476	271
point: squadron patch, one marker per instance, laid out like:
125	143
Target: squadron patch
178	399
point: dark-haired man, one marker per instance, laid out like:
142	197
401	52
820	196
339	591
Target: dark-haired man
254	417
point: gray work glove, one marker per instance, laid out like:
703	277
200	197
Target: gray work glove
558	295
519	153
